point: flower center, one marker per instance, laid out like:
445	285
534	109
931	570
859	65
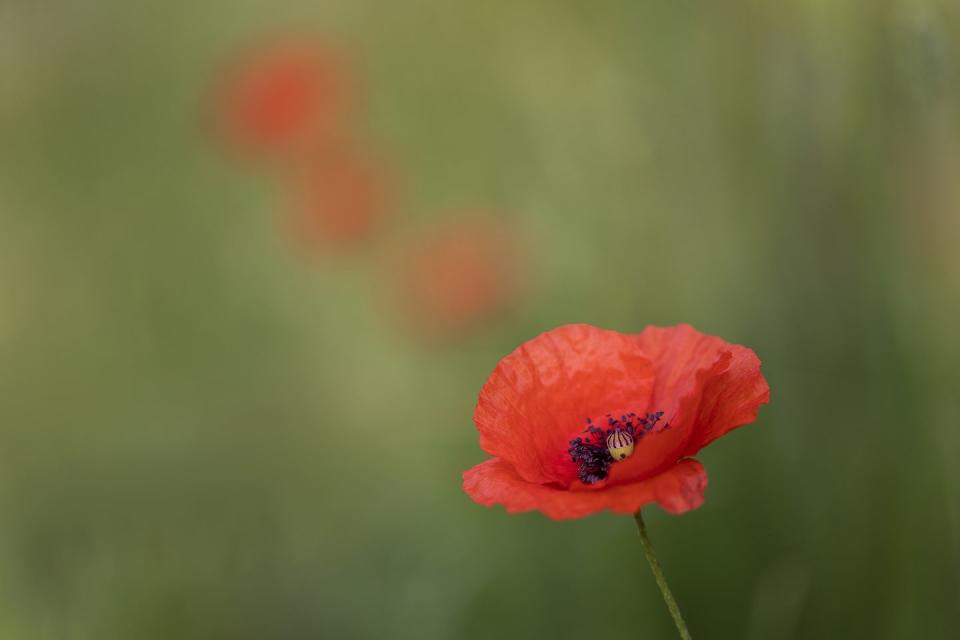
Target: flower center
620	444
600	448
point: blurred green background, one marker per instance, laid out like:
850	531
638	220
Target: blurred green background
203	435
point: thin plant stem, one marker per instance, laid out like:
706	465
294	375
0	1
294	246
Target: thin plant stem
661	580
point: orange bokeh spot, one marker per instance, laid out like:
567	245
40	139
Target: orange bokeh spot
464	272
282	98
340	198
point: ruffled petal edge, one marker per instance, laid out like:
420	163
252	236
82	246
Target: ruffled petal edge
677	490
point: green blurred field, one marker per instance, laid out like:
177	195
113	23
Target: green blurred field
203	435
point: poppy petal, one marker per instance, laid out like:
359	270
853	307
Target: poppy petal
541	395
679	353
677	489
730	399
725	379
705	386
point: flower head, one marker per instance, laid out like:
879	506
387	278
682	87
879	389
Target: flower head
339	198
581	419
283	98
462	272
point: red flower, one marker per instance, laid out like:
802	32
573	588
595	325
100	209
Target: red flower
461	273
339	198
283	98
557	412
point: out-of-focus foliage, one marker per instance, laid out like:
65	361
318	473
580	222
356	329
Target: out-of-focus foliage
204	435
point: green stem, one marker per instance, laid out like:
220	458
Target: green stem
661	580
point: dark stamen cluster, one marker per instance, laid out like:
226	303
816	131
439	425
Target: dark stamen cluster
592	458
590	452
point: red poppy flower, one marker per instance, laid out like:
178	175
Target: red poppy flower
582	419
283	98
460	273
338	198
